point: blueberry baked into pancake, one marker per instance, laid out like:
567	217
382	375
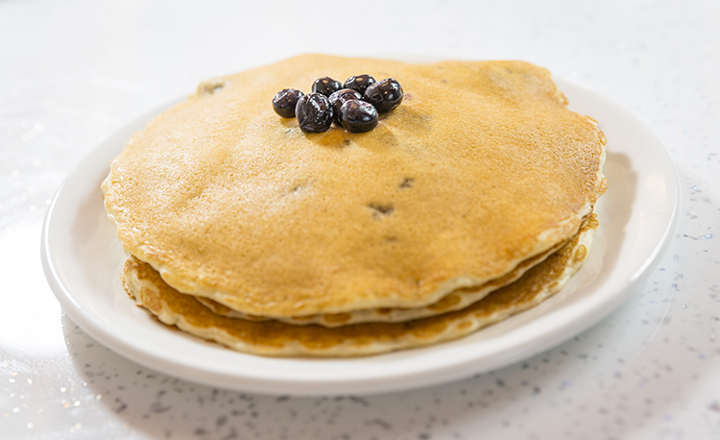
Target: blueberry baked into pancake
328	206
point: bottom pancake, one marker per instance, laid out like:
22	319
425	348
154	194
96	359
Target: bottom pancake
275	338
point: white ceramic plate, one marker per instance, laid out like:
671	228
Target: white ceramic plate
638	215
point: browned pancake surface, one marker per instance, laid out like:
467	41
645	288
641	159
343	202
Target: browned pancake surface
480	168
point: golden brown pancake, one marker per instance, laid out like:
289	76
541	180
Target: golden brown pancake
456	300
275	338
482	167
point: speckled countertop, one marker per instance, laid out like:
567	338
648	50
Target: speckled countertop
71	73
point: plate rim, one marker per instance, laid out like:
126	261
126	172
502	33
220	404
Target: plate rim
331	385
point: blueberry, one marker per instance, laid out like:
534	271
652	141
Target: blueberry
359	83
358	116
285	101
339	98
314	113
326	86
384	95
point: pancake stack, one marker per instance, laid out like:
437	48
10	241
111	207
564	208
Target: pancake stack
470	202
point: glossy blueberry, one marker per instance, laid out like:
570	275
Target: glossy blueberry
326	86
359	83
385	95
339	98
285	101
314	113
358	116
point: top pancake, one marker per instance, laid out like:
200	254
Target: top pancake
481	167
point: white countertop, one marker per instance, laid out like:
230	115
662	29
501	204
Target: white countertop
72	73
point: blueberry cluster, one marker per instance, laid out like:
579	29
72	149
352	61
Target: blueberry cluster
354	105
